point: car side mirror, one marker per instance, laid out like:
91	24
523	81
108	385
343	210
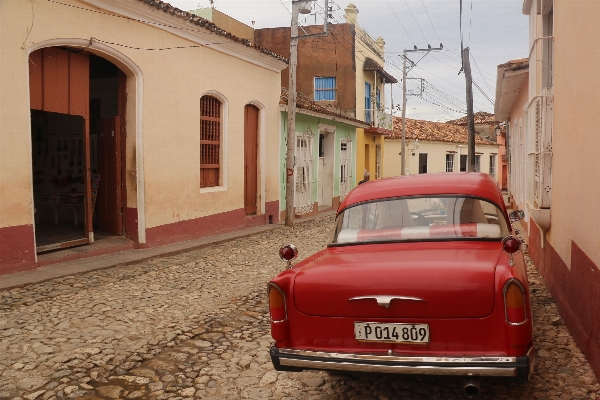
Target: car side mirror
516	215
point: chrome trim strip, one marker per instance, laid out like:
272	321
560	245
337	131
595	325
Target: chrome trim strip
385	300
387	358
520	285
269	285
401	369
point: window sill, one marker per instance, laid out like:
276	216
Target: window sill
541	217
213	189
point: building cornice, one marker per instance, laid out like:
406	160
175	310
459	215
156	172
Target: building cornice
144	13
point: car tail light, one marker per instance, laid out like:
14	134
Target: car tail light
511	244
514	302
288	253
277	307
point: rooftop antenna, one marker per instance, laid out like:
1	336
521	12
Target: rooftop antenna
212	3
253	22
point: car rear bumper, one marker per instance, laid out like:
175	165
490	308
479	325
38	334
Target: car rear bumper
518	368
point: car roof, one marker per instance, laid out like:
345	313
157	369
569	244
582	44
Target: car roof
442	183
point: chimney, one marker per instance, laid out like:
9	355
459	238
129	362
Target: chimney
351	14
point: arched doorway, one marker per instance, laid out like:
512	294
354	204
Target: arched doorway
78	103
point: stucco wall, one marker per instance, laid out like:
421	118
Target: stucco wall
370	140
303	123
575	163
331	56
516	145
173	82
436	156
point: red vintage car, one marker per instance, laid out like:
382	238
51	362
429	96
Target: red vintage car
423	276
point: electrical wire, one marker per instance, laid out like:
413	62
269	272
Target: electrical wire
426	12
401	24
482	92
417	22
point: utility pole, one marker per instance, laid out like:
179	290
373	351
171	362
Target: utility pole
290	211
404	58
403	143
466	64
298	6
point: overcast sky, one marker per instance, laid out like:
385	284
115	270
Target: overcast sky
495	30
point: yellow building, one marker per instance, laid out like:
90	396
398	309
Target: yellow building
370	99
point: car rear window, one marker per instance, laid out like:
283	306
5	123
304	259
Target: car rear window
420	218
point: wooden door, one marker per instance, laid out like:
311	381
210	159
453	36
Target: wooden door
109	200
250	159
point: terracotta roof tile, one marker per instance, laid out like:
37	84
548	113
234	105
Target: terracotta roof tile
514	65
306	103
208	25
372	65
481	117
434	132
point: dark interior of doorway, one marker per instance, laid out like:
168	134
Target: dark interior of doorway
59	165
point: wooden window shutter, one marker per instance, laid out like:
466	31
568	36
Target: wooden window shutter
210	141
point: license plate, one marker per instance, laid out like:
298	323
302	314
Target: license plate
391	333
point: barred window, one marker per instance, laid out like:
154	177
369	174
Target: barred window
210	141
493	165
450	162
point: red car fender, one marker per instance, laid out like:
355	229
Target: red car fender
518	337
280	330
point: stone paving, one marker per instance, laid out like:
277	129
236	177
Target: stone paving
195	326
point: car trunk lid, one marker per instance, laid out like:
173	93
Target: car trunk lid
405	280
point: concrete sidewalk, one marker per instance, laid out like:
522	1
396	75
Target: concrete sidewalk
133	256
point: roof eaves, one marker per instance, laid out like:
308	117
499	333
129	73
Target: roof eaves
372	65
305	105
208	25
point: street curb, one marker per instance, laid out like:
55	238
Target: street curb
134	256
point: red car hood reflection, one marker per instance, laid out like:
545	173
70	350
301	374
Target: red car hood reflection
454	280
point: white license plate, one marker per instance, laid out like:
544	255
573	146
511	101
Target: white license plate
391	333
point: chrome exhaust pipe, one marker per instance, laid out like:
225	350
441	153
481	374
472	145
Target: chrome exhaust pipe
471	387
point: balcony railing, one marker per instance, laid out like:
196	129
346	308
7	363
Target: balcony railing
379	119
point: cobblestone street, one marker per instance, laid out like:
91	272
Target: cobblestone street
196	325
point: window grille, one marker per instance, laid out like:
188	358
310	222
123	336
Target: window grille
493	165
210	141
303	176
345	167
449	162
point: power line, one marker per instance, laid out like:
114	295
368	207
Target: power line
284	6
482	92
417	22
426	12
401	24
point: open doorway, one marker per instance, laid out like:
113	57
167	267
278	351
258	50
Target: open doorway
77	103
